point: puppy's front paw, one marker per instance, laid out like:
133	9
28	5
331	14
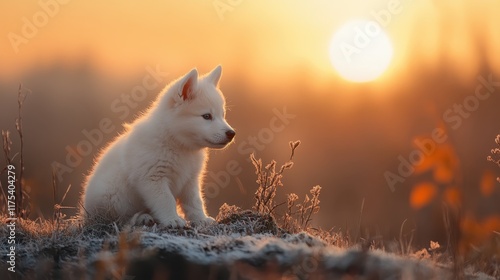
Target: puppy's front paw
175	222
202	221
145	219
142	219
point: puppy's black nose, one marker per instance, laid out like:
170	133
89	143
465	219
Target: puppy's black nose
230	134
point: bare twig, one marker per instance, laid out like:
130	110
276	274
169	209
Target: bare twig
22	211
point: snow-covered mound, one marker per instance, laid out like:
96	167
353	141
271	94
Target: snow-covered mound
241	246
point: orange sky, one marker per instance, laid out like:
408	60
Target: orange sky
259	38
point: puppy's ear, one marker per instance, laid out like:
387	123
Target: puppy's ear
188	84
214	76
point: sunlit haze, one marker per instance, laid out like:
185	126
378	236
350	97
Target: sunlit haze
122	36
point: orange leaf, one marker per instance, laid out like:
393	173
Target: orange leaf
487	183
422	194
443	174
427	163
452	196
447	163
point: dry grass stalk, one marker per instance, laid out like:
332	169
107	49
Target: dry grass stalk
309	207
269	180
405	244
21	97
297	216
496	153
7	146
22	198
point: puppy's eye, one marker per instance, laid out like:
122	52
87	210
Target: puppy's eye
207	116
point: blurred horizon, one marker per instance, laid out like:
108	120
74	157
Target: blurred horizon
122	36
275	58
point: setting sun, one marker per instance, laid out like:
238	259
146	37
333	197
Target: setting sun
360	51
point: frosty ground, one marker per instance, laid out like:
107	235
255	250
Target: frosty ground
242	245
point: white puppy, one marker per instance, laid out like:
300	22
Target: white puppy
158	162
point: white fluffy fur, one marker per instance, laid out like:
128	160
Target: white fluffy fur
157	163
